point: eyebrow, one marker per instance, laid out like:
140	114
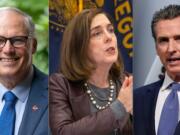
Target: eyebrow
162	37
177	37
99	26
166	37
96	27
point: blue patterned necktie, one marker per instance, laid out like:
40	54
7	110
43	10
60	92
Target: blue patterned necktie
170	112
8	114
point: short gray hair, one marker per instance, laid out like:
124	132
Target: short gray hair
27	19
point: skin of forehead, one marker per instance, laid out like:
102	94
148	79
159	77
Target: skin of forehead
12	19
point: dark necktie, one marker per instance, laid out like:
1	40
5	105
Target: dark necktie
8	114
170	112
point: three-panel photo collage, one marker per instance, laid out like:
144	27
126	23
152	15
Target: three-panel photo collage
90	67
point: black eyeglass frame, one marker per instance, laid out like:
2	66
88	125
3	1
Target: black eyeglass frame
16	41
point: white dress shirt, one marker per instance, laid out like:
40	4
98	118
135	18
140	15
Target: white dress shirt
163	93
22	92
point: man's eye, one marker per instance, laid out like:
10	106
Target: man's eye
177	38
2	41
163	40
18	41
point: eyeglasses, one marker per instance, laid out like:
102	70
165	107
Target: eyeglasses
17	41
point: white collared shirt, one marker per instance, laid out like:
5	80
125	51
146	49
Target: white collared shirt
22	92
163	93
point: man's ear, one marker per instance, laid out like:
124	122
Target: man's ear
34	46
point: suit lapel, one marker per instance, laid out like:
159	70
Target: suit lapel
36	105
149	105
80	109
177	131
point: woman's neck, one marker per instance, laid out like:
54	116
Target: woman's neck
99	78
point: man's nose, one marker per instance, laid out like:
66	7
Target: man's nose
172	45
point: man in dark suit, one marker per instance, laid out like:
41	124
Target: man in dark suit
153	112
23	88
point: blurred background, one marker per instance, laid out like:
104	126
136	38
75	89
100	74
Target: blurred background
38	10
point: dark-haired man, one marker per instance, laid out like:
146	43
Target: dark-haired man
156	106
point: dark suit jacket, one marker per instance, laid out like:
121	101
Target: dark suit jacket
35	117
70	112
144	109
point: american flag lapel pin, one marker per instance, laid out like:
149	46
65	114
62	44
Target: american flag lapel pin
34	108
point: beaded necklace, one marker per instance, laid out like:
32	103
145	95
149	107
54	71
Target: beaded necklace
93	97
